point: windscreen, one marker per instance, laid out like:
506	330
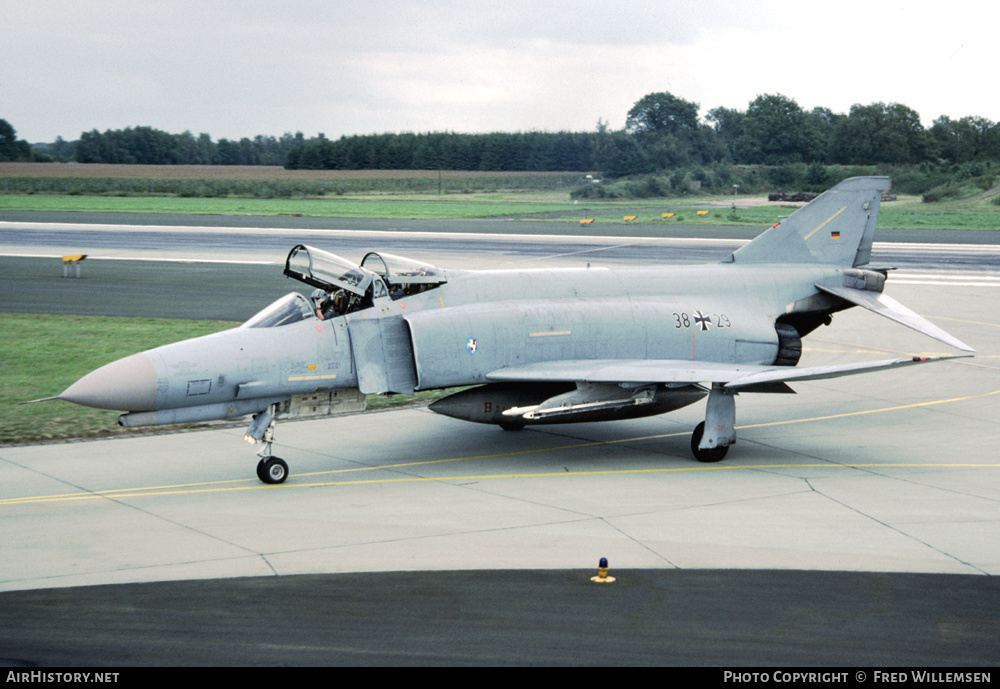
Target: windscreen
291	308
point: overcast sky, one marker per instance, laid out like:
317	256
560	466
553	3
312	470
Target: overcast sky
234	68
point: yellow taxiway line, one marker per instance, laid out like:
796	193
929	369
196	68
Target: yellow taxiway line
234	484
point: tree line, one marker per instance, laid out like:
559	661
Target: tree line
662	132
149	146
12	148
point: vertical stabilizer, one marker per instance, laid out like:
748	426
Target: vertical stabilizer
836	228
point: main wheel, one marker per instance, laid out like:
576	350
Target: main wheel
511	425
272	470
715	454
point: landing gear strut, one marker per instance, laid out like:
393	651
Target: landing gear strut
720	418
261	430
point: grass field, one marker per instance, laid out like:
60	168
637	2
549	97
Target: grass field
539	206
206	181
404	194
43	355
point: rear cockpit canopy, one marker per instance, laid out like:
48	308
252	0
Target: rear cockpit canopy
404	276
402	271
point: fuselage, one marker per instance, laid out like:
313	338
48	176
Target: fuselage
460	331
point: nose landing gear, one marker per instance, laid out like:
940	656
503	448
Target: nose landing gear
261	430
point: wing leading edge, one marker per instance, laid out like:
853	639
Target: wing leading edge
676	372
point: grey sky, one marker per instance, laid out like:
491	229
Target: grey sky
241	68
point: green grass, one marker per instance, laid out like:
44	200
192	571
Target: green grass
44	355
907	213
457	206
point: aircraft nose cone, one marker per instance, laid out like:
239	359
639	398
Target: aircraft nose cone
128	384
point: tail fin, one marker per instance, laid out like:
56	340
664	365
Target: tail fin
836	227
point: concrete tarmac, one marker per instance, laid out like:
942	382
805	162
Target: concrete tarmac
854	523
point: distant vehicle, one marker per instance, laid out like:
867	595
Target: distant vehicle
801	196
541	346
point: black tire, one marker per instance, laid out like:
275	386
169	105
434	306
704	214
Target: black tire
716	454
272	470
511	425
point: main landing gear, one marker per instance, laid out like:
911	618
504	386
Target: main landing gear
720	418
261	430
715	454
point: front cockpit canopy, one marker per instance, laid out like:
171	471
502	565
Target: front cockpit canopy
327	271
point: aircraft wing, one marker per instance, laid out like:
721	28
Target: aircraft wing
678	372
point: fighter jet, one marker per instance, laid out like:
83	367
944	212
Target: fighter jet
537	346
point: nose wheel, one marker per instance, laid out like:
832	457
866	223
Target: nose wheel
272	470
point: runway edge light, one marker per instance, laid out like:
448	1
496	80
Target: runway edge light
602	573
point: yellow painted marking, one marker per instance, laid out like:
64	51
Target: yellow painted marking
441	299
962	320
825	223
228	486
549	333
329	376
874	411
183	490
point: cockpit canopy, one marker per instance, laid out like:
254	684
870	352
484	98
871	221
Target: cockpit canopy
327	271
398	270
377	273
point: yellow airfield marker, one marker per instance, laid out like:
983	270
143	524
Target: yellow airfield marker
602	573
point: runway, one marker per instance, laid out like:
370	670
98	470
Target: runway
897	472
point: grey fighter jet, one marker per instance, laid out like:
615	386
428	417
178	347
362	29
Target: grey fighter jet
539	346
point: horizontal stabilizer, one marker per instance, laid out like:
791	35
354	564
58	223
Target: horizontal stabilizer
886	306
